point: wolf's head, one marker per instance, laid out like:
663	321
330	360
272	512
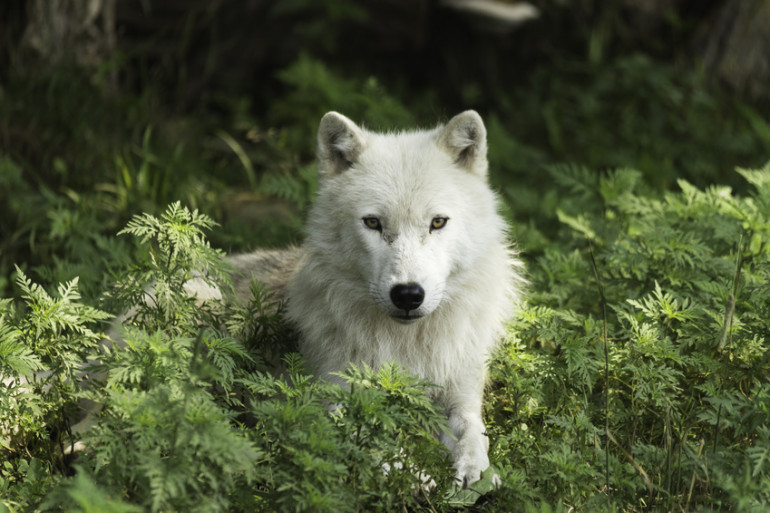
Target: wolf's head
403	217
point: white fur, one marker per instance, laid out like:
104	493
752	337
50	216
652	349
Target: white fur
339	297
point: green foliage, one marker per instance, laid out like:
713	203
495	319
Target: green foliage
178	254
653	379
313	87
42	350
163	441
634	112
641	364
335	462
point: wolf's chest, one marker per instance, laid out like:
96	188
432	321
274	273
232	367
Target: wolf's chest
428	351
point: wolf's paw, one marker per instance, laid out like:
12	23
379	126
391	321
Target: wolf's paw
468	496
469	470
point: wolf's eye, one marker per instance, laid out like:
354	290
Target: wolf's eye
438	223
372	223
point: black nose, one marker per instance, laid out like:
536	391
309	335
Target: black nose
407	297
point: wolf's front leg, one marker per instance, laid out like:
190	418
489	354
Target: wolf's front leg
467	441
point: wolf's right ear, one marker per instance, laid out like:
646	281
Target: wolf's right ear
340	142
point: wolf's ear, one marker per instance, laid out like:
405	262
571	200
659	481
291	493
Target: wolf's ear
340	142
465	139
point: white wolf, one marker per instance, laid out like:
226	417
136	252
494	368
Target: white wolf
406	259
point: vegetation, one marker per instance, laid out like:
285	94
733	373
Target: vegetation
636	378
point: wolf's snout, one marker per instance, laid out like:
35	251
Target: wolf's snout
407	296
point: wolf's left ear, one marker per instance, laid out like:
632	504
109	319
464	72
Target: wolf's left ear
465	139
340	142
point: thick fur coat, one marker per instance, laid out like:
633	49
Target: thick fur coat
406	259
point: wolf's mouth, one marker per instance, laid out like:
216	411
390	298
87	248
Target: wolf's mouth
406	318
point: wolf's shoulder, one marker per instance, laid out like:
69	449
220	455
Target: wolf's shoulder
271	267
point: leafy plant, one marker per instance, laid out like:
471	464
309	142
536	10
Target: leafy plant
42	350
662	394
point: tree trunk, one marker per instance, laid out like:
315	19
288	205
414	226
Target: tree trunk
79	31
737	50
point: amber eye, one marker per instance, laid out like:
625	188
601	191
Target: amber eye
438	223
372	223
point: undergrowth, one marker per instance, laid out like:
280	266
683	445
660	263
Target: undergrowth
635	379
